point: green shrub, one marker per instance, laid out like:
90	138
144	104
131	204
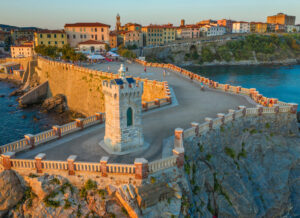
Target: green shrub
65	186
187	168
55	181
102	192
32	175
90	185
67	204
124	211
152	180
268	125
208	157
83	192
51	203
253	131
230	152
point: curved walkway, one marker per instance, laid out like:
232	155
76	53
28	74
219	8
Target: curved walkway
158	125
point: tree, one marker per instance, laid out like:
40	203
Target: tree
7	43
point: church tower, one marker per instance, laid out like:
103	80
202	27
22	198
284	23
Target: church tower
118	23
123	114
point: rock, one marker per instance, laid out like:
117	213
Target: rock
17	92
2	95
298	116
57	104
11	190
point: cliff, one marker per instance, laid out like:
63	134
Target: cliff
246	168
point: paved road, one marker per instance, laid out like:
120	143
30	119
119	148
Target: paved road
193	105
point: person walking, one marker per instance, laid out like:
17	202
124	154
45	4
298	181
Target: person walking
145	69
164	74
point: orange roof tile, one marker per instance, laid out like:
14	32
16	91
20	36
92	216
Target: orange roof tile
95	24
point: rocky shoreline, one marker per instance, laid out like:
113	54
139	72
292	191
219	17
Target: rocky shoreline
287	62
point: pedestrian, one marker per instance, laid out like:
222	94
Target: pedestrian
126	69
145	69
164	74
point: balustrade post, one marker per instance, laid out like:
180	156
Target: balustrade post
157	102
99	116
276	108
210	122
260	110
103	163
226	87
141	168
196	126
179	152
38	162
231	111
294	108
57	130
145	105
6	159
30	140
79	123
222	116
238	89
71	166
178	138
243	108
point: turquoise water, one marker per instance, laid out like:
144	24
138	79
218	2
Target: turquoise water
282	82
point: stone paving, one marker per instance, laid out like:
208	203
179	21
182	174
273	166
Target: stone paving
158	124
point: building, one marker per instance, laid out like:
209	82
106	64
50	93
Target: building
22	51
123	114
21	35
50	37
159	34
190	32
131	27
3	36
80	32
131	38
282	19
210	30
113	39
241	27
92	46
292	28
207	22
258	27
118	23
278	28
227	24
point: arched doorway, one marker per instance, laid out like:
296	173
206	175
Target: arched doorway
129	117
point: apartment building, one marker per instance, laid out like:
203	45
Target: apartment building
190	32
50	37
213	30
21	51
158	34
80	32
282	19
227	24
258	27
241	27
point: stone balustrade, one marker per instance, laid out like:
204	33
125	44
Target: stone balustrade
162	164
252	92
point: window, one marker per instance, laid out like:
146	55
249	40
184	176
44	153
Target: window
92	36
49	43
62	42
102	37
41	35
54	35
68	36
84	36
96	38
129	117
62	35
74	36
95	29
91	29
101	29
42	43
80	36
55	42
48	36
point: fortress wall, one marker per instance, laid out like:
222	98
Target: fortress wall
83	86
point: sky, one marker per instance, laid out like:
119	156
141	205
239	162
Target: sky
53	14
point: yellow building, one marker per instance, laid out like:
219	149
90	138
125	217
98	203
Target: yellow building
159	34
258	27
131	27
50	37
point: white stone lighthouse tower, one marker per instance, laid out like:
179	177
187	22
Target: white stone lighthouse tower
123	114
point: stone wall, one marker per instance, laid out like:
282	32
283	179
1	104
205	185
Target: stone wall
83	87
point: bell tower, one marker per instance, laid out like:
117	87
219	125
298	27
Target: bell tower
123	114
118	23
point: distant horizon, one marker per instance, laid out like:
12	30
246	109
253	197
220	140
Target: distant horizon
55	14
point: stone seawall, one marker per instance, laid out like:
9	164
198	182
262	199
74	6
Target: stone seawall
83	87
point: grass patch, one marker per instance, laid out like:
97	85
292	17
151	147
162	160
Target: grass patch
253	131
32	175
51	203
55	181
268	125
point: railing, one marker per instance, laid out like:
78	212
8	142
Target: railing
189	132
90	121
228	117
203	127
23	164
284	109
217	122
14	146
162	164
251	111
87	166
121	168
54	165
44	137
267	110
68	128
